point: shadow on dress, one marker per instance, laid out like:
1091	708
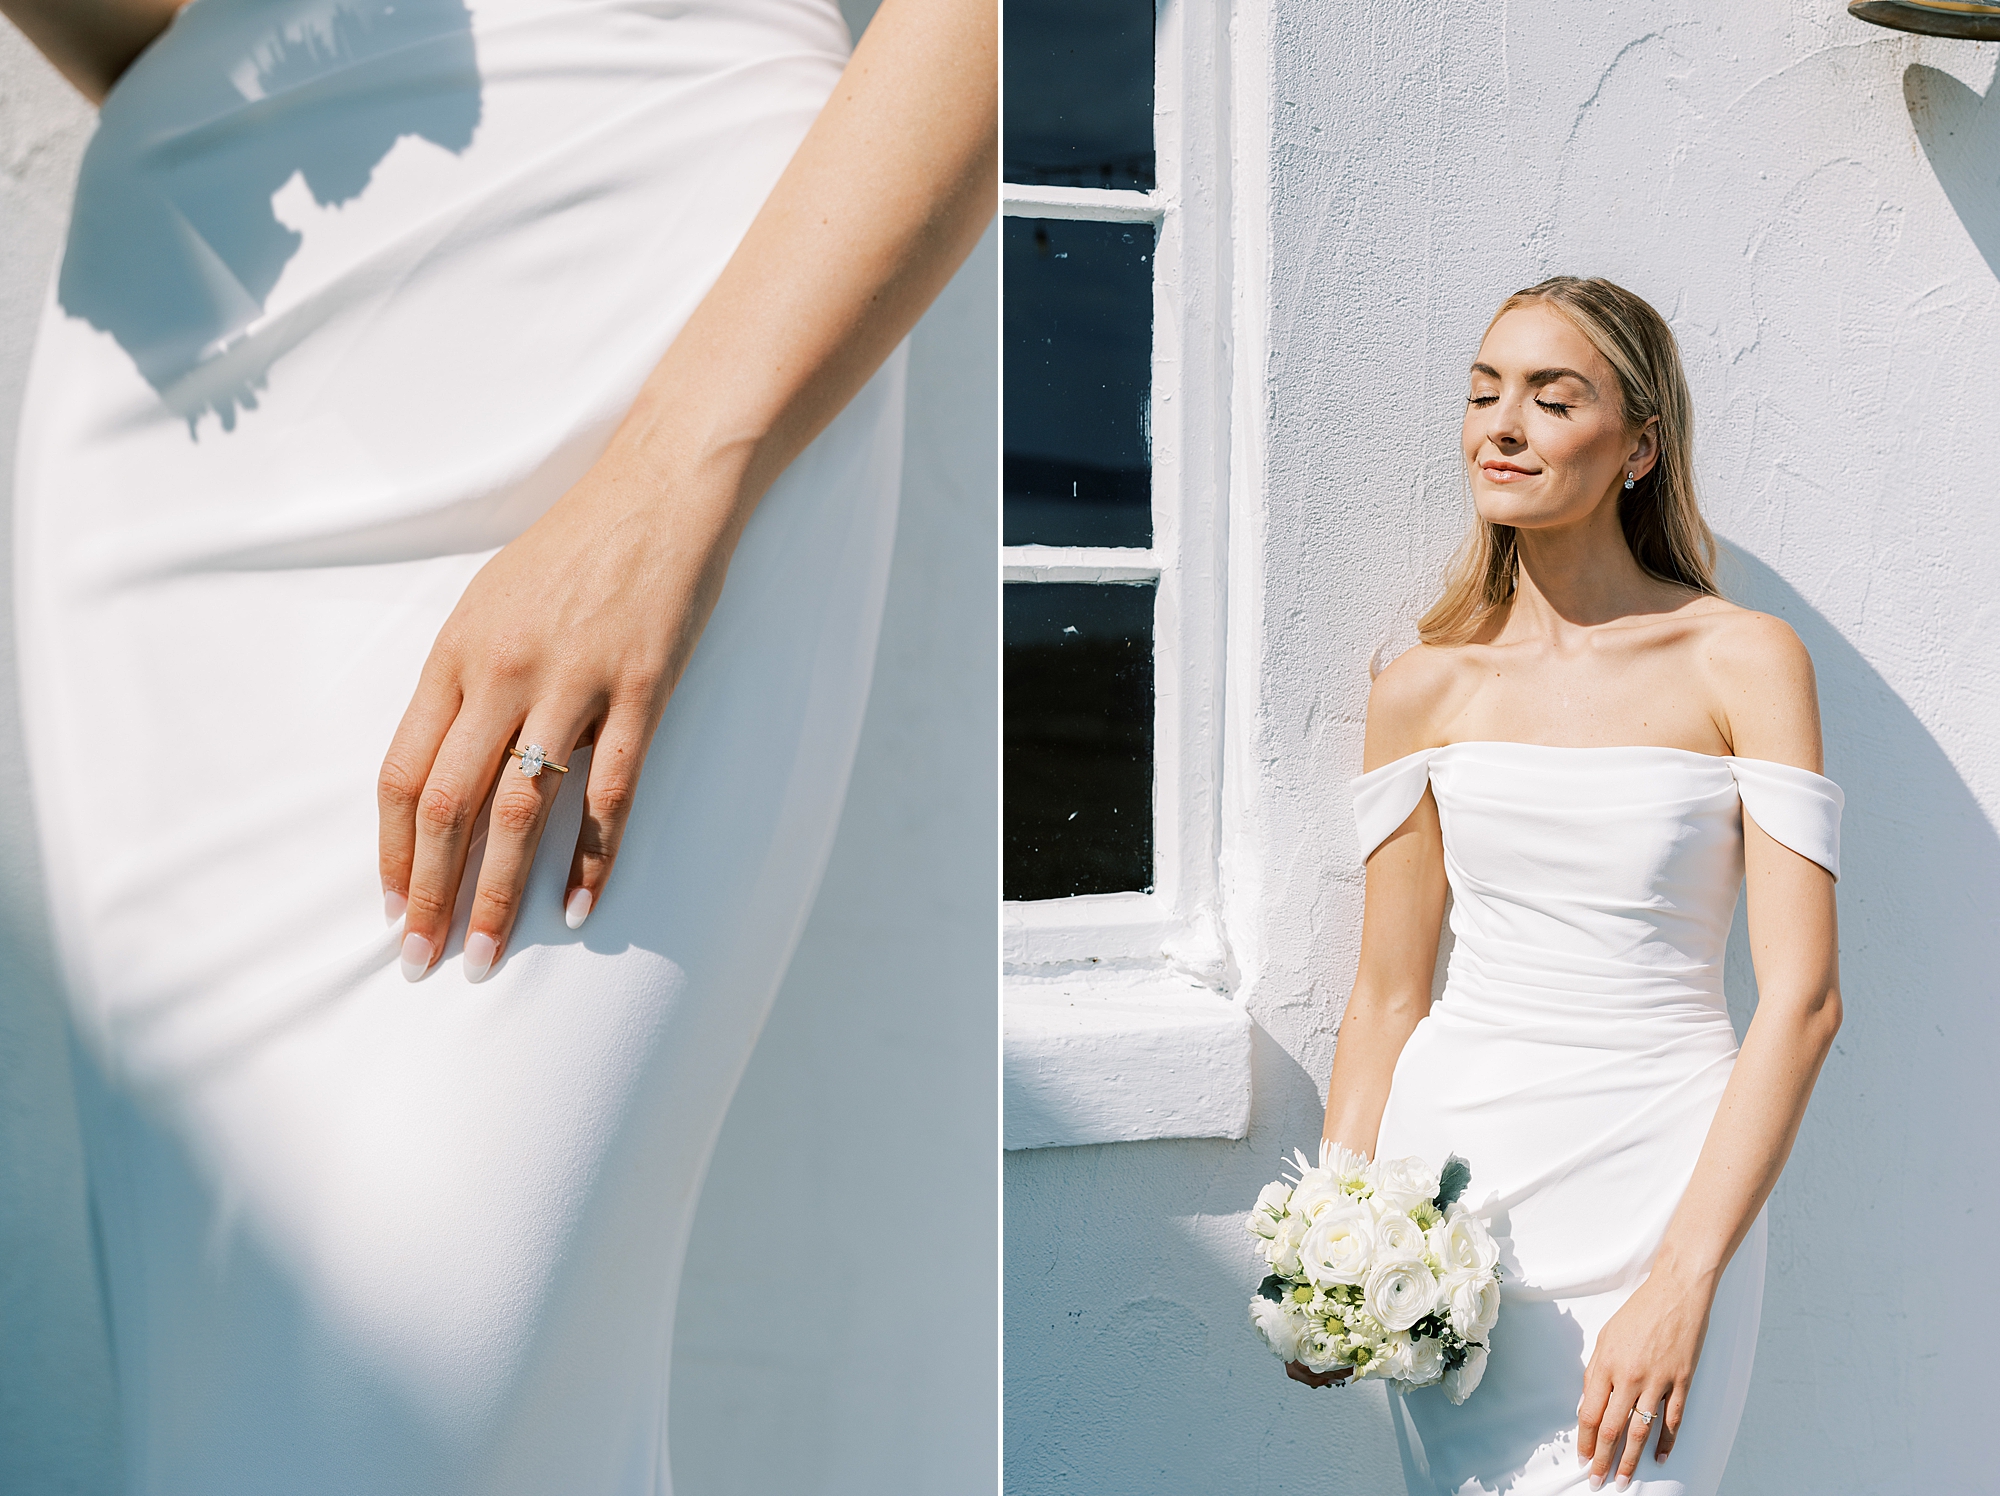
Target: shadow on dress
1909	1080
1510	1413
175	242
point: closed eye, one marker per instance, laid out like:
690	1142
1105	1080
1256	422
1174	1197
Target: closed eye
1555	407
1480	400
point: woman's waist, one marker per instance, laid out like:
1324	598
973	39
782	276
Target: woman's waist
1591	1001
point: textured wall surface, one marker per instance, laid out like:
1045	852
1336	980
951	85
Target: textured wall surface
1815	205
876	1070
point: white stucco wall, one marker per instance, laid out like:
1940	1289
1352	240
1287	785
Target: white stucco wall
1815	204
876	1070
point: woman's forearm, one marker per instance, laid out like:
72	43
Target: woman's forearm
884	199
91	42
1373	1031
1751	1136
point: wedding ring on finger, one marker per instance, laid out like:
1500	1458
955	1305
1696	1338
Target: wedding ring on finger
533	760
1645	1418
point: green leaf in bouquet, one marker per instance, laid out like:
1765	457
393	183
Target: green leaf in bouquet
1272	1288
1452	1180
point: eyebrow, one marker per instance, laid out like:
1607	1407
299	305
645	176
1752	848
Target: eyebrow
1540	376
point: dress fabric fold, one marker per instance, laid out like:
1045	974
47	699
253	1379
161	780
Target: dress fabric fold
1575	1058
355	290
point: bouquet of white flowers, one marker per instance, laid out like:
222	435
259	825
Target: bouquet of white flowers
1377	1267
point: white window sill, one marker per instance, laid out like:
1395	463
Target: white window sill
1156	1059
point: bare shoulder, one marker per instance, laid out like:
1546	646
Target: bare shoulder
1766	697
1409	699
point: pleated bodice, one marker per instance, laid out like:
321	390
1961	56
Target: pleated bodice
1603	875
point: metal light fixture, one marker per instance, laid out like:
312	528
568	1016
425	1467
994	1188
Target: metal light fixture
1972	20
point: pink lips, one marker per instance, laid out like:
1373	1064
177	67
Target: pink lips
1504	472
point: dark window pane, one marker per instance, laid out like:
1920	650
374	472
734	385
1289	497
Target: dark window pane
1079	378
1079	718
1080	93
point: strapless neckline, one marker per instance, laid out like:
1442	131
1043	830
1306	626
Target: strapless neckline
1721	758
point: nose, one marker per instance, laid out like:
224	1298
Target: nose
1504	427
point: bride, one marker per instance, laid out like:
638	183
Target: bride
426	822
1586	755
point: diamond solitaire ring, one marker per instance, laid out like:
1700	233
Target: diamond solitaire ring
1646	1418
532	761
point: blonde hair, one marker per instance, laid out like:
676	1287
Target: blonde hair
1660	514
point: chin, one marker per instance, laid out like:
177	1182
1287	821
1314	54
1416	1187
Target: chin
1523	511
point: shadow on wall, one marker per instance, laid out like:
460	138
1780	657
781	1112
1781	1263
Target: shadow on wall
1960	131
1901	1123
1131	1366
175	243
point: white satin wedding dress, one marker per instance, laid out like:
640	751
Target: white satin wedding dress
355	290
1575	1059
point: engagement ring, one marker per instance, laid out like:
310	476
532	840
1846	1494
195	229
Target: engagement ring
1646	1417
532	761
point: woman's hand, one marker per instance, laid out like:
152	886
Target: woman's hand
1644	1357
573	634
1298	1371
577	631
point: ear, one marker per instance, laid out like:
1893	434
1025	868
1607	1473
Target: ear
1645	449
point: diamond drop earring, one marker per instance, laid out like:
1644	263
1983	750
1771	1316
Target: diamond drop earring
1628	480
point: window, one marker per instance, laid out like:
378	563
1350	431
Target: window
1116	474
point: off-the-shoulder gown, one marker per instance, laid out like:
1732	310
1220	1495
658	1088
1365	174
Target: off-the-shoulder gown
355	290
1576	1057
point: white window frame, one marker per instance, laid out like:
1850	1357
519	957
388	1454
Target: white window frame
1117	1020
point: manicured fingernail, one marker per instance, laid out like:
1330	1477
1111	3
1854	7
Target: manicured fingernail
1623	1482
480	949
1597	1483
416	956
393	905
577	910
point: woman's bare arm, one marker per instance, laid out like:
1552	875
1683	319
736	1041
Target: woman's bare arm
885	197
1402	914
1400	923
91	42
1648	1352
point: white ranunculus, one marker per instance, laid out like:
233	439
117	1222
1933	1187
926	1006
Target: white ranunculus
1320	1348
1270	1206
1473	1300
1282	1250
1396	1235
1403	1182
1316	1190
1279	1324
1458	1384
1426	1361
1461	1243
1395	1359
1399	1292
1339	1245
